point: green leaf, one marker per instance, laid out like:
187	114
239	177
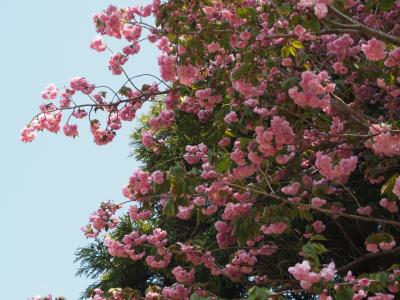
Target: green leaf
244	229
312	250
344	293
314	25
162	188
297	44
318	237
386	4
387	188
246	12
289	83
285	51
285	9
306	215
223	164
242	71
259	293
170	208
195	296
295	20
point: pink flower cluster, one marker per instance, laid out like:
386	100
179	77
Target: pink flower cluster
126	248
116	62
339	172
307	278
131	242
339	47
196	257
280	131
103	218
109	22
242	263
137	215
274	228
50	93
50	122
101	137
206	99
320	6
384	142
98	44
82	85
183	276
187	74
139	185
196	153
70	130
372	247
374	50
314	93
247	89
167	67
391	206
165	119
176	292
393	59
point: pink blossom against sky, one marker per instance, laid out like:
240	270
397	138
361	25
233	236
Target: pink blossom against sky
49	188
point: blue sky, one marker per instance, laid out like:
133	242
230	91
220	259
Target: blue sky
49	187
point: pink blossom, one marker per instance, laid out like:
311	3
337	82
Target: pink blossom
98	44
183	276
371	247
328	273
292	189
339	47
116	62
374	50
315	90
318	202
70	130
381	296
82	85
318	226
50	93
302	273
187	74
396	188
365	210
274	228
175	292
167	67
185	212
231	118
137	215
209	10
339	172
387	246
247	89
391	206
157	177
131	32
393	59
28	134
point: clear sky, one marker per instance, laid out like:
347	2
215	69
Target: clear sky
49	187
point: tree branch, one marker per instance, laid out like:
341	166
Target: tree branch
318	209
366	257
365	29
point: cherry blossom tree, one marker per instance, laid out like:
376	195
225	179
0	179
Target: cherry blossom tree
270	153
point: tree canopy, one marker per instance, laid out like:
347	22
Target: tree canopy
269	155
